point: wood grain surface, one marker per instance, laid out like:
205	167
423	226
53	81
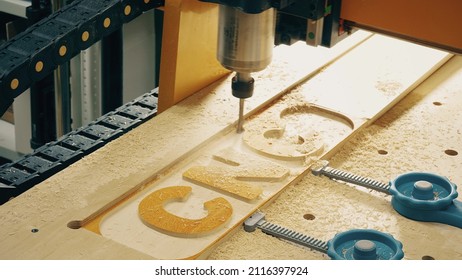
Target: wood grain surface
110	183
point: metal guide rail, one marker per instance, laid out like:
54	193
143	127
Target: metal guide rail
37	51
19	176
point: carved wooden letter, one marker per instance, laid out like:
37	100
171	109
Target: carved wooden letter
151	211
239	168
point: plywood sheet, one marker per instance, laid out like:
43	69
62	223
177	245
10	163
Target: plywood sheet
420	133
298	114
154	156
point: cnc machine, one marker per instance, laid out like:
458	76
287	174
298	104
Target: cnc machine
244	35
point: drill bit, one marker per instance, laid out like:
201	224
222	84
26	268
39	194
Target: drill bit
240	121
242	87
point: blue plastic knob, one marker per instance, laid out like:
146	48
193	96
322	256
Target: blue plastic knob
364	244
426	197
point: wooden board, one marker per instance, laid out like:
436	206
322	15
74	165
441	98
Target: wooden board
149	156
420	133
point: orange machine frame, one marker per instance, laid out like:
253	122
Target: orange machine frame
433	23
188	59
189	44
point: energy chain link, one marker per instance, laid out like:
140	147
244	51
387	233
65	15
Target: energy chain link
33	54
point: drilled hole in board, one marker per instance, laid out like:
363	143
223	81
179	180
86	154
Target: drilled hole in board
74	224
382	152
451	152
428	258
309	217
436	103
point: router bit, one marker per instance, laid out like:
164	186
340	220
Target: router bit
242	87
240	121
245	45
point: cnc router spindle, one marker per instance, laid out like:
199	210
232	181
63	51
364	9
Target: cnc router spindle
245	45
